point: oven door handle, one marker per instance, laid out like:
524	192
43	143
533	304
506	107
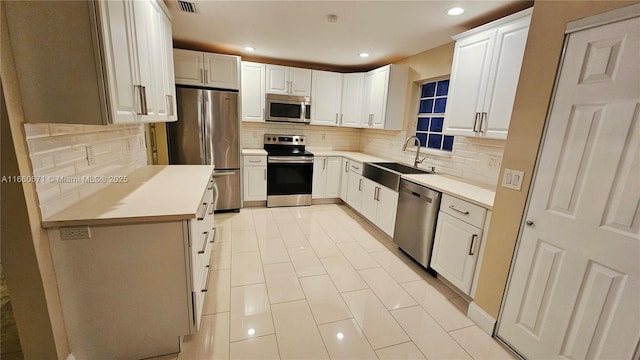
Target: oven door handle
289	159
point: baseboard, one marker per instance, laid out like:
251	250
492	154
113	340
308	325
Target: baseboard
326	201
247	204
484	321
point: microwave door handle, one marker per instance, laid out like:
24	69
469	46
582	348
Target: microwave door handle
304	111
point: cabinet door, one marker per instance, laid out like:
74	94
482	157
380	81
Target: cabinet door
146	58
369	207
354	190
158	62
344	179
378	97
169	76
222	71
468	83
253	91
277	79
507	58
255	183
326	96
118	36
300	82
333	176
319	185
387	208
455	251
189	67
351	107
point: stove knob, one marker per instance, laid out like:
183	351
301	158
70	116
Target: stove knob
301	140
268	139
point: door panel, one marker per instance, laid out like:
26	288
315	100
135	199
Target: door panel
185	136
574	288
222	129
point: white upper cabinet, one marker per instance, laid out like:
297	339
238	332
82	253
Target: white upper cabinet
351	107
326	96
252	91
288	80
207	69
109	68
484	77
385	92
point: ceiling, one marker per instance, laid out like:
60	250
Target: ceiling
299	31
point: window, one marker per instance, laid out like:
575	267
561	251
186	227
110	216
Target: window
431	107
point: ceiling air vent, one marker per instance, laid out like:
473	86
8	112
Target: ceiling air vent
187	6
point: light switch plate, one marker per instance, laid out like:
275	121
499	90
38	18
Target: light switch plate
512	179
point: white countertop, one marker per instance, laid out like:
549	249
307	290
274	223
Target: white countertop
260	152
473	193
153	193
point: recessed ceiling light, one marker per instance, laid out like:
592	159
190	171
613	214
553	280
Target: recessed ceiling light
249	48
455	11
364	55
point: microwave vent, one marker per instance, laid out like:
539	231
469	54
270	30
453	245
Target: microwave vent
187	6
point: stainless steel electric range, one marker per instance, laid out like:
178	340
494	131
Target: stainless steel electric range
289	170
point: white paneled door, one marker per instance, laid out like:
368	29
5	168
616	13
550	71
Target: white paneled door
574	290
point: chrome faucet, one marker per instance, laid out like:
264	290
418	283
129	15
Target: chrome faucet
404	148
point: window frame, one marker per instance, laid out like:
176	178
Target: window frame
417	115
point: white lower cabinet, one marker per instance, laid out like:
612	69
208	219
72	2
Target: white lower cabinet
132	276
255	178
326	177
379	205
458	240
354	185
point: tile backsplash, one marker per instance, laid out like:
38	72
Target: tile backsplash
64	157
335	138
473	159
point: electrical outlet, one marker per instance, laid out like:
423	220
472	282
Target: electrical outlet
512	179
75	232
494	162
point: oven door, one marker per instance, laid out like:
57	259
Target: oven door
289	180
285	108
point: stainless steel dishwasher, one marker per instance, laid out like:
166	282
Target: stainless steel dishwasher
416	221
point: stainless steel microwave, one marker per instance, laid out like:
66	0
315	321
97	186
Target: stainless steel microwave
288	108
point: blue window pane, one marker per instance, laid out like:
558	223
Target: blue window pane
448	143
423	139
443	88
428	90
435	140
436	124
441	104
423	124
426	106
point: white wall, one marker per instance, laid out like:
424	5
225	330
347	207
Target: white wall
74	151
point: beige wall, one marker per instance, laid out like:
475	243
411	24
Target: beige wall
26	256
537	76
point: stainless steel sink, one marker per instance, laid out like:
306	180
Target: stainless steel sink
389	173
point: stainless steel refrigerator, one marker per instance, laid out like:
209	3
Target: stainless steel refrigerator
208	132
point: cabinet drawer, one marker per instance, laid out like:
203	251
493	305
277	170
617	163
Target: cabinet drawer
355	166
255	160
460	209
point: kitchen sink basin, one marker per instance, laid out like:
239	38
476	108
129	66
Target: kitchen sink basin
389	173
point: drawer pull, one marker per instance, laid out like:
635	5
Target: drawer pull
210	185
460	211
211	209
255	161
204	235
473	240
203	213
360	185
206	284
355	167
215	232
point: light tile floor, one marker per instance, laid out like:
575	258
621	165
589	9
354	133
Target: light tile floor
319	282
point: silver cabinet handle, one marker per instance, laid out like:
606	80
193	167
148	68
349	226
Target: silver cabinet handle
336	118
483	122
205	238
355	167
324	164
530	223
211	209
255	161
372	117
202	76
473	240
203	213
265	174
341	118
138	93
346	166
145	110
206	76
215	232
360	185
475	122
460	211
376	194
206	284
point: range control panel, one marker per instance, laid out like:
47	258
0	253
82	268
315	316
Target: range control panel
274	139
